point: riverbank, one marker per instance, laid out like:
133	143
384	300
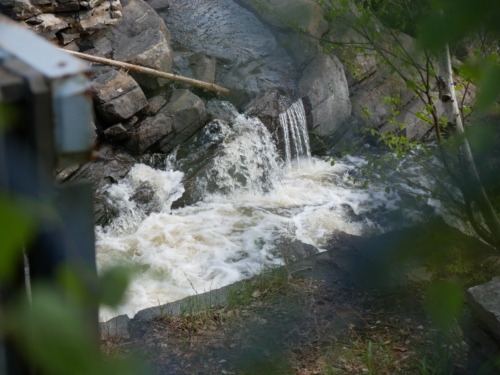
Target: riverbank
346	310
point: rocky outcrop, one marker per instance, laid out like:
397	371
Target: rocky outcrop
323	82
292	250
117	96
482	327
60	20
140	38
306	15
250	62
183	116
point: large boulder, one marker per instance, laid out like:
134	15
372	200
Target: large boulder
482	327
324	83
140	38
306	15
182	117
117	96
47	17
292	249
203	66
249	60
111	166
149	132
188	114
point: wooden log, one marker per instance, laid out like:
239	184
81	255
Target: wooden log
154	72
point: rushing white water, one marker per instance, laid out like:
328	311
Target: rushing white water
231	233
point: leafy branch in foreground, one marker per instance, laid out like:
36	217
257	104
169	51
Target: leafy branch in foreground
428	74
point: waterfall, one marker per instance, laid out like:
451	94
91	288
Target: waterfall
248	196
296	137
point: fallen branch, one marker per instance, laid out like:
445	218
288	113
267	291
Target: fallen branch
154	72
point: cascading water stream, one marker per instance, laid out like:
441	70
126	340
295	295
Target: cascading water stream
249	201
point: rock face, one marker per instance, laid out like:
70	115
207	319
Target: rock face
323	82
117	96
188	115
183	116
249	60
482	329
204	67
116	327
306	14
292	249
140	38
49	17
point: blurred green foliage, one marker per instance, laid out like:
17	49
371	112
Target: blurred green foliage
53	323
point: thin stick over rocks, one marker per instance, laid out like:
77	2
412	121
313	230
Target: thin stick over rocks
154	72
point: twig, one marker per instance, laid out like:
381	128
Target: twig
154	72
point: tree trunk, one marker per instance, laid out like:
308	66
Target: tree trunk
472	186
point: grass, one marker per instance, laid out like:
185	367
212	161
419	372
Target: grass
275	324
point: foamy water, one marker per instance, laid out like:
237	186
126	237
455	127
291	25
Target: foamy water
230	235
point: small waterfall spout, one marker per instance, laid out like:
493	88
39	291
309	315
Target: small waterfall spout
296	138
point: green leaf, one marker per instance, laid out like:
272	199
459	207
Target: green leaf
411	84
16	232
444	301
114	283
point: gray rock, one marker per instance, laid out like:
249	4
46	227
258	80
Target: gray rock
116	327
122	107
112	165
484	301
149	132
67	7
249	60
141	38
267	109
110	85
305	14
68	38
155	104
116	132
72	47
323	82
188	113
292	249
303	49
204	67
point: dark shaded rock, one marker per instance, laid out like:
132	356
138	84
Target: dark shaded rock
149	132
111	167
267	109
483	348
305	14
292	249
144	196
66	173
110	85
188	114
155	104
68	38
484	302
122	107
116	132
194	158
130	122
72	47
117	327
204	67
66	7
